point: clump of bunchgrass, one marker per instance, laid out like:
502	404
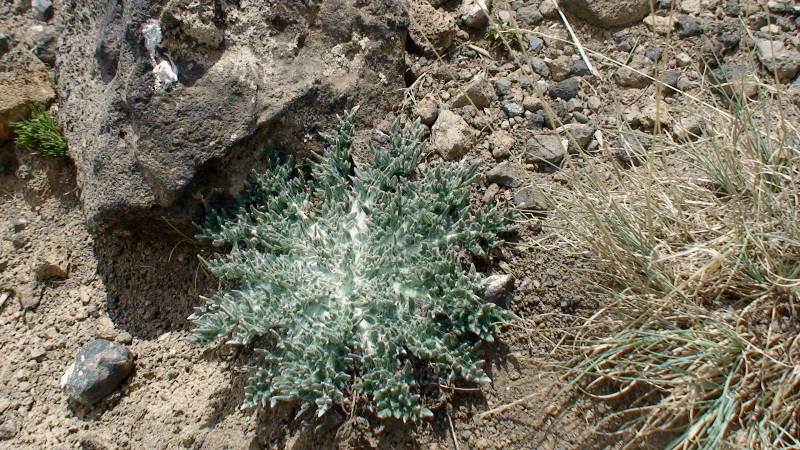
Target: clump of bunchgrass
701	240
40	133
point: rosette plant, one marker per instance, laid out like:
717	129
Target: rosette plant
347	282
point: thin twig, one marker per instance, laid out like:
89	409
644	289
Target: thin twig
576	41
508	406
452	431
481	51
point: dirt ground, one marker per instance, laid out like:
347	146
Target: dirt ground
140	292
183	396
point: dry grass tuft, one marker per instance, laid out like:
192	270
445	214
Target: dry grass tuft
701	240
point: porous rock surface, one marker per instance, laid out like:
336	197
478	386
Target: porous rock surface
23	82
164	103
431	30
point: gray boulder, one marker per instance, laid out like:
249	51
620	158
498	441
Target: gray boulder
176	103
99	367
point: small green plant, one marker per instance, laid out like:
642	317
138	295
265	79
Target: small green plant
504	34
349	287
40	133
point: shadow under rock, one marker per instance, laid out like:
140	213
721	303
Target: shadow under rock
152	286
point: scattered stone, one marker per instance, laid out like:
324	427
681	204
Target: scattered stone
45	43
473	13
497	289
580	117
535	44
532	103
478	92
38	353
506	174
777	58
656	113
688	26
42	10
671	79
503	86
688	129
566	90
501	143
659	24
530	198
18	240
633	147
490	193
540	67
452	136
8	429
99	367
607	14
594	103
733	80
104	329
548	9
529	16
637	74
427	110
19	224
52	266
512	108
125	338
560	67
580	134
691	6
544	149
24	81
778	6
579	68
431	31
683	59
729	33
28	297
